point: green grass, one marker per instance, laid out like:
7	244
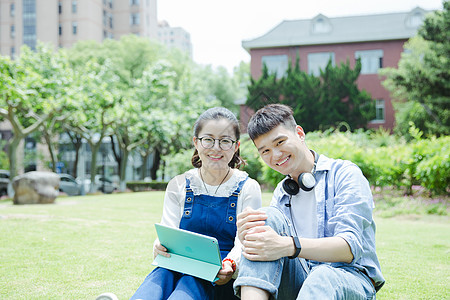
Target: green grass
80	247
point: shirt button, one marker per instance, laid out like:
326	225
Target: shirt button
233	204
230	218
187	213
188	199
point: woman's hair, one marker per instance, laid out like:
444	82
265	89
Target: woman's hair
216	114
269	117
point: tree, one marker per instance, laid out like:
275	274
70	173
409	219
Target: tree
317	102
421	83
33	90
97	100
264	90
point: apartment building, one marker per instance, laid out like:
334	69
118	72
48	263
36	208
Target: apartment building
64	22
377	39
175	37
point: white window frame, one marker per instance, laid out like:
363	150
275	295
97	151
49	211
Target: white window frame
380	111
276	64
371	60
318	61
134	19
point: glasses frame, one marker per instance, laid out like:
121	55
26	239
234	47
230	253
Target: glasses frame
220	142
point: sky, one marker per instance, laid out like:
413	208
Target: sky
217	28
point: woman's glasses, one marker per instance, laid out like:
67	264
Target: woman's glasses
224	143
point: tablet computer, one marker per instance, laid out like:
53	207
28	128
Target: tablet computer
190	253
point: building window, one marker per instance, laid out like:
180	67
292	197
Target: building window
29	23
74	7
111	24
134	2
60	7
13	52
12	10
13	31
276	64
379	111
321	25
415	20
60	29
74	27
134	19
318	61
371	60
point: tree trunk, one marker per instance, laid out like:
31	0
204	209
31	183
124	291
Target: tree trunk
50	149
12	155
117	154
94	151
144	165
76	142
123	169
156	162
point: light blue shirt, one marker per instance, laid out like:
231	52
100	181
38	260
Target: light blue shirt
344	209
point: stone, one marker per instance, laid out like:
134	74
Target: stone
36	187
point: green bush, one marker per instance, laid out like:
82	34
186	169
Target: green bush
254	164
140	186
431	164
385	159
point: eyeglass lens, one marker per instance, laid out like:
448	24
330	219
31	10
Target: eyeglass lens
224	144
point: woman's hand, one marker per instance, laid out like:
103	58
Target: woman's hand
159	249
225	273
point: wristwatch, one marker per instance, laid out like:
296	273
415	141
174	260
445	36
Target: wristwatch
298	247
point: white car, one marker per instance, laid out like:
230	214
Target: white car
102	184
69	185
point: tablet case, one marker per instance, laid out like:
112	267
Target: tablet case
190	253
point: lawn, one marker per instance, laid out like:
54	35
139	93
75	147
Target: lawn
80	247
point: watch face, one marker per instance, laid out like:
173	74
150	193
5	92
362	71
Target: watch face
107	296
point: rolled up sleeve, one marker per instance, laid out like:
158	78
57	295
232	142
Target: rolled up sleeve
352	209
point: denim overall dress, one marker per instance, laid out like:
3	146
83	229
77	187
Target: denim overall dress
204	214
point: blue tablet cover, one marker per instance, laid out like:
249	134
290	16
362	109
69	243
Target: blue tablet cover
190	253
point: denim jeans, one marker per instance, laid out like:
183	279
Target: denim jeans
297	279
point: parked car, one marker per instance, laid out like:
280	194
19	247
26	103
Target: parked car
69	185
102	184
4	181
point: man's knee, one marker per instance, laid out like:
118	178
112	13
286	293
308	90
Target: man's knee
276	219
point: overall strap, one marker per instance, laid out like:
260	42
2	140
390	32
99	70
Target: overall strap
189	200
232	203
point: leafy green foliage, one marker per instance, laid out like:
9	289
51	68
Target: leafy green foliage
421	84
386	160
318	102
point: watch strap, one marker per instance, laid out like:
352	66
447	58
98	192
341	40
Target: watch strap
298	247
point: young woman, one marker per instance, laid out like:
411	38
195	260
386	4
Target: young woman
206	200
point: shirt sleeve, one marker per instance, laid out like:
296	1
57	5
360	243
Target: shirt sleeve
250	197
173	204
353	205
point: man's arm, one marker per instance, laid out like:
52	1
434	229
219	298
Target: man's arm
262	243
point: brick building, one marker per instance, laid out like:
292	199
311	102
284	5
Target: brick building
377	39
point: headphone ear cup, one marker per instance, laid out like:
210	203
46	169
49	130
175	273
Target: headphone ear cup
306	181
291	187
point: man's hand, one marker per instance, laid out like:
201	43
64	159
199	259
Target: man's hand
159	249
248	219
262	243
225	273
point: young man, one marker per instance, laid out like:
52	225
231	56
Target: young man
317	239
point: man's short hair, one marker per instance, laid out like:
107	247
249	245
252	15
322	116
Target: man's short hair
269	117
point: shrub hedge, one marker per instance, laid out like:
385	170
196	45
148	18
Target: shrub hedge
140	186
385	159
